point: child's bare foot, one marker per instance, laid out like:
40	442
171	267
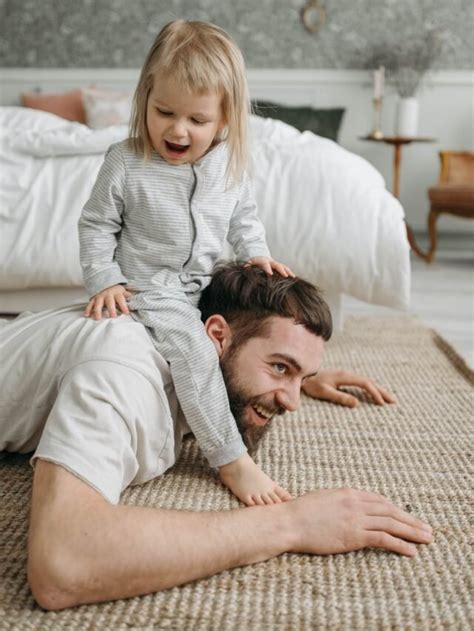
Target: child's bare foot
250	484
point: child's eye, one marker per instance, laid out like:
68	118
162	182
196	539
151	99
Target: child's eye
198	122
281	369
163	112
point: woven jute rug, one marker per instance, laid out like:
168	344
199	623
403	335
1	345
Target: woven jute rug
417	453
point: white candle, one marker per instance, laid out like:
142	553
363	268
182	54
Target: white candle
379	76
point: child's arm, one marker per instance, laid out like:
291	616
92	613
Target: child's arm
247	234
250	484
100	225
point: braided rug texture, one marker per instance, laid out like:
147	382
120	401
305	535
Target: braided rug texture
417	453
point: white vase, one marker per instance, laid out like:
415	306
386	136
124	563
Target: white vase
406	124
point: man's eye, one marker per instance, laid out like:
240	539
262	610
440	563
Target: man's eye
281	369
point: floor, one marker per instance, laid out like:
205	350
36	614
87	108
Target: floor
442	294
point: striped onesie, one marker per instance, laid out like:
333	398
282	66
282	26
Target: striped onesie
159	229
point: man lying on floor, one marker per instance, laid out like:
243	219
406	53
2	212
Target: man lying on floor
95	403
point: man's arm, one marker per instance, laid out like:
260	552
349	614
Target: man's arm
83	549
325	385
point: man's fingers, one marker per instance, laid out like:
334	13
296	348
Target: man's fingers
399	529
342	398
388	398
388	542
329	393
378	394
387	509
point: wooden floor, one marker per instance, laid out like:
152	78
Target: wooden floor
442	295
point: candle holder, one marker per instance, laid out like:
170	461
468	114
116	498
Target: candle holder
377	133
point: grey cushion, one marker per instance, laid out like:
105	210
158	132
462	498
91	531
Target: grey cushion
324	122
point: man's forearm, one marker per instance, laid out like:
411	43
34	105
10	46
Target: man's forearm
112	552
83	549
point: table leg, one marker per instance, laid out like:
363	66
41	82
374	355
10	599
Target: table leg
414	245
396	170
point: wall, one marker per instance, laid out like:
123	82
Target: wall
116	34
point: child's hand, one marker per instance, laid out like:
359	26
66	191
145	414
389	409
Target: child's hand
115	295
268	265
248	482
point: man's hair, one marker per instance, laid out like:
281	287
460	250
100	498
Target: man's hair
246	296
200	57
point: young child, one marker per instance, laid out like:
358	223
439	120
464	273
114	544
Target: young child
164	203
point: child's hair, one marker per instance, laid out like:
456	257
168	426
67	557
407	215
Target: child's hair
200	57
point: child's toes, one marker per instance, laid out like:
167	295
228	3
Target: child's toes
283	494
275	498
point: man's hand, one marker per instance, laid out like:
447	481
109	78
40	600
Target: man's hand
268	265
325	385
111	297
331	521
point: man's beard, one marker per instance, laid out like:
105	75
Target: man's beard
239	401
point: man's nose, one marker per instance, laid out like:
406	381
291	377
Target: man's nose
289	396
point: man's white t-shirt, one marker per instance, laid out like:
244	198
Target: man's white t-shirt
93	397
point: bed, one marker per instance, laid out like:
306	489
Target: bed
326	211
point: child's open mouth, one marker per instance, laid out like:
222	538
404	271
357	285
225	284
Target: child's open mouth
175	149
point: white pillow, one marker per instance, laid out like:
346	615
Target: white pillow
27	118
105	108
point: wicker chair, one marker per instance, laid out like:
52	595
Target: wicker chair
454	192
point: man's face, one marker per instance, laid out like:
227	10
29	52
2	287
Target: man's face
264	375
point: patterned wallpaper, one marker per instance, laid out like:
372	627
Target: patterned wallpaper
117	33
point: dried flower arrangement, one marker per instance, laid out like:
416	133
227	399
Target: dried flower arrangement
406	61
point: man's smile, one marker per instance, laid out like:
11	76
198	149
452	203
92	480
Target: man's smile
261	414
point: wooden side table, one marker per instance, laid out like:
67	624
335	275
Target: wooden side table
397	142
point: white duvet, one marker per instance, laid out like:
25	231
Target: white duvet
326	211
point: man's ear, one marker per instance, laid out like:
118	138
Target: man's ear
219	332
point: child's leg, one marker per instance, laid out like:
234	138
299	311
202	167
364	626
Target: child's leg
179	336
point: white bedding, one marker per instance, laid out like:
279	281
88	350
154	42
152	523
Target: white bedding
326	211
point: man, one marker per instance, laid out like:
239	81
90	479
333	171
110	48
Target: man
95	402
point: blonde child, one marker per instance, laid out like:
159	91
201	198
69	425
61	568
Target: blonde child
164	203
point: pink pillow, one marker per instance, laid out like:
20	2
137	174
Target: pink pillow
106	107
68	105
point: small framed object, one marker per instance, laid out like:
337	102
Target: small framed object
313	16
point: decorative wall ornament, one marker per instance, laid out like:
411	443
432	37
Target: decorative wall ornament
313	16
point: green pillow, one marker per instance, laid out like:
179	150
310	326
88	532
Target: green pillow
322	122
